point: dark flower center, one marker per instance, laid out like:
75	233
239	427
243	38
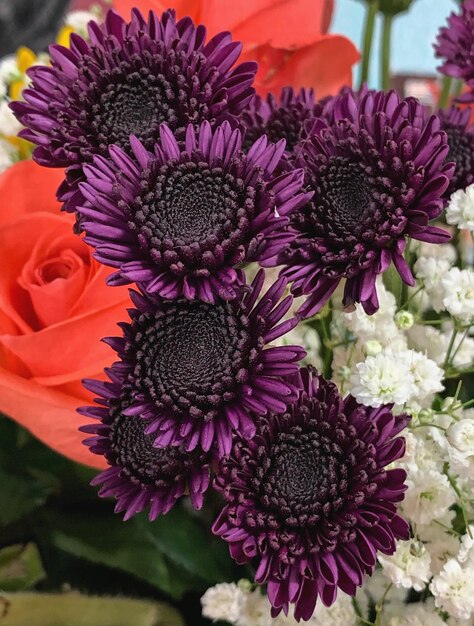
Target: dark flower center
135	103
137	456
190	355
461	150
191	204
346	192
306	477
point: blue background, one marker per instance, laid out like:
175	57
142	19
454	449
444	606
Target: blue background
412	37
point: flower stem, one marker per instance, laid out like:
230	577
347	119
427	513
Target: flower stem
372	8
450	348
444	95
386	46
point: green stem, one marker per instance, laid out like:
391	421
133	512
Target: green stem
450	349
372	8
379	606
386	45
444	95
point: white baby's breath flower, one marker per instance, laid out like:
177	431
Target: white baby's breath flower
466	550
9	70
341	613
458	287
381	325
9	125
404	320
255	610
460	210
428	496
426	374
7	155
78	20
223	602
441	544
453	589
431	271
409	566
434	343
447	251
382	379
417	614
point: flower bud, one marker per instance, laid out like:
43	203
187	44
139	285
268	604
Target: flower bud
372	347
404	320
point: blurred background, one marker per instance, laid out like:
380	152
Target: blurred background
34	23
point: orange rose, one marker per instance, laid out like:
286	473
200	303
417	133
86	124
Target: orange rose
54	309
287	38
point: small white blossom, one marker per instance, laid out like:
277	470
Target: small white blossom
7	155
255	610
460	210
431	271
453	589
371	347
382	379
9	71
223	602
434	343
458	287
78	20
409	566
416	615
441	544
381	325
428	496
341	613
466	551
9	125
461	436
404	320
426	374
446	251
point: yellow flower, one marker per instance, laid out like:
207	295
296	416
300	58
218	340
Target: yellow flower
25	58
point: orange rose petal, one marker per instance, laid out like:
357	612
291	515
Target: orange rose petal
27	230
326	66
290	24
49	415
67	349
97	293
24	181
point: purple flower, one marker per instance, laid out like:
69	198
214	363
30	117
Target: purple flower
129	79
379	174
182	219
196	372
308	499
282	118
456	124
455	45
140	475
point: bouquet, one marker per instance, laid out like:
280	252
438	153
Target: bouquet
279	266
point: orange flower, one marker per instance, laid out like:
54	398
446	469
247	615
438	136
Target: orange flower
54	310
288	38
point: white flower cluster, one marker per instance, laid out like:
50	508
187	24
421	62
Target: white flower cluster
397	357
242	606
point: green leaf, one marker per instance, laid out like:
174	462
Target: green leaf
20	567
19	496
74	609
183	539
133	548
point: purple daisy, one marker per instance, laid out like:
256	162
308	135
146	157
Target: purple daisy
129	79
280	118
455	45
182	219
140	475
197	371
379	174
456	124
308	499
